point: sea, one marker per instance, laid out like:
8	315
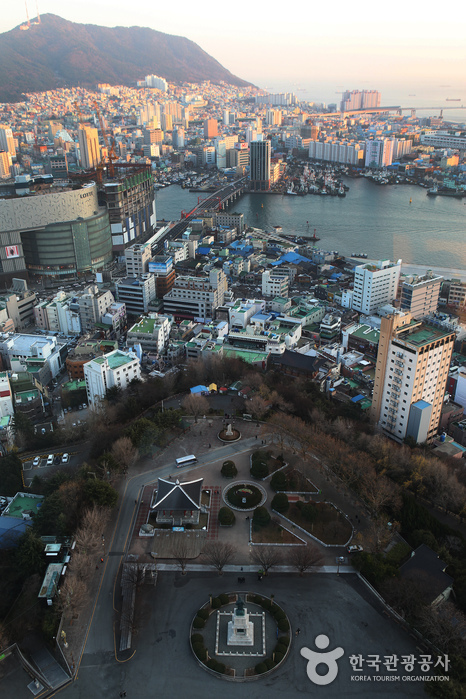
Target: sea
383	221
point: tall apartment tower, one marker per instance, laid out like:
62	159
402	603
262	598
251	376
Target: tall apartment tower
260	165
419	295
379	152
7	142
375	285
88	138
413	360
210	128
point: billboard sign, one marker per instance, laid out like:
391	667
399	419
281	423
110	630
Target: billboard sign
12	251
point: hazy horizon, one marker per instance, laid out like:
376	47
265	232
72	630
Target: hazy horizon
393	49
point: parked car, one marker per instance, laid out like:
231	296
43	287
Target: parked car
57	460
80	407
36	461
354	548
84	406
50	460
65	458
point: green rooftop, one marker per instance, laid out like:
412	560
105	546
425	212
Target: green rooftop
118	359
22	503
74	385
249	357
24	396
146	325
424	335
364	333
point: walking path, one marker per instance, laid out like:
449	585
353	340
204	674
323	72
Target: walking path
215	503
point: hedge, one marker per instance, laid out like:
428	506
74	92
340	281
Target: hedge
284	625
198	623
260	668
197	638
216	603
224	599
203	613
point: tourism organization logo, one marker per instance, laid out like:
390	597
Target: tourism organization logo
416	669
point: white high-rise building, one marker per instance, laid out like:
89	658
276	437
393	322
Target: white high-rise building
379	152
410	377
7	142
375	285
89	148
114	369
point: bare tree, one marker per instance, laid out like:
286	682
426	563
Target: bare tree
305	557
195	405
73	594
258	407
89	536
179	551
445	626
266	557
124	452
218	554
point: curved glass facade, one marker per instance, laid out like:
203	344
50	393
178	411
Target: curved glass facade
69	248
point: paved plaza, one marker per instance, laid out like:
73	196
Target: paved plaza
164	665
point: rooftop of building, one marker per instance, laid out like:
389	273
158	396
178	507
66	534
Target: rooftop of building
74	385
423	334
23	502
25	396
365	332
117	359
251	357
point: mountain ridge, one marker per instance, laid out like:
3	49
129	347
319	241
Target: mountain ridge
59	53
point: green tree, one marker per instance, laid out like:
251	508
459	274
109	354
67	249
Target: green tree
143	433
23	427
226	516
29	555
261	516
100	493
229	469
280	503
278	481
11	475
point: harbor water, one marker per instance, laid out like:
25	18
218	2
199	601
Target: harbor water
375	219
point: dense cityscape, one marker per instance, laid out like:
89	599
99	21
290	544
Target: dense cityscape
315	402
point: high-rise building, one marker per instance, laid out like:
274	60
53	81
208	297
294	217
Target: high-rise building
359	100
178	138
89	148
7	142
210	128
196	297
375	285
260	165
410	377
5	165
419	295
379	152
130	201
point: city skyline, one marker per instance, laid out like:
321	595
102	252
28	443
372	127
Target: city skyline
305	53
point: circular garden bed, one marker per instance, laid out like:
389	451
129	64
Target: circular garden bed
209	630
244	496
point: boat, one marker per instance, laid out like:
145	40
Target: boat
278	229
341	191
410	201
313	237
446	192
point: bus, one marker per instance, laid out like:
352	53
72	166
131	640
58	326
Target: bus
185	460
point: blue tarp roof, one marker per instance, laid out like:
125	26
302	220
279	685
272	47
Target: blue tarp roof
356	399
203	251
199	389
10	529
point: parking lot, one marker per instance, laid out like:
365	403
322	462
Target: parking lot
39	464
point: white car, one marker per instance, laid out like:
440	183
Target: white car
65	458
36	461
50	460
354	548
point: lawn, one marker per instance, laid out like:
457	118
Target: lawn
272	533
329	526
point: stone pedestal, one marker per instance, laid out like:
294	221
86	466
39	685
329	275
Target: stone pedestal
240	629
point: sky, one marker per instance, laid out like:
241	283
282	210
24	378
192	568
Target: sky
400	48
